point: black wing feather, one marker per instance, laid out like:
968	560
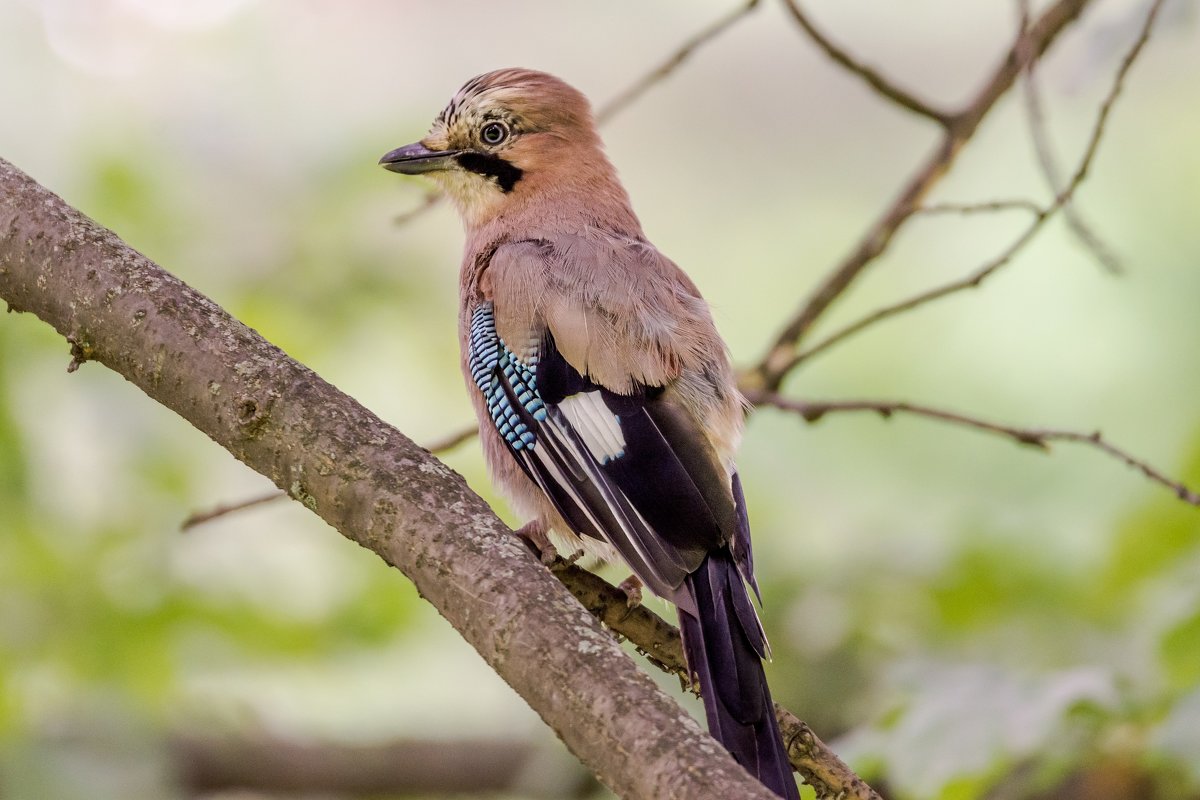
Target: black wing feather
649	503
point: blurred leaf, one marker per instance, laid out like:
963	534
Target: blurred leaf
1161	532
989	582
1177	738
961	726
1180	650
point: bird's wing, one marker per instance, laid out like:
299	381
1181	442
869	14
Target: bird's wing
620	456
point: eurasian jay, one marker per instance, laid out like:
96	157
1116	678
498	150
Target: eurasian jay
607	406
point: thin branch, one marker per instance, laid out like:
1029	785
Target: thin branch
986	207
781	356
453	440
1039	438
430	201
1111	98
663	70
987	270
1049	165
201	517
827	774
874	79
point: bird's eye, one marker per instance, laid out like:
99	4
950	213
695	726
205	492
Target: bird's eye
494	133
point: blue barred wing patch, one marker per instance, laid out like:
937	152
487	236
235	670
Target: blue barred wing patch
506	381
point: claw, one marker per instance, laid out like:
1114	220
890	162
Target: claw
632	587
534	533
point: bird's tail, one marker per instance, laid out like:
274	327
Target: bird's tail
724	645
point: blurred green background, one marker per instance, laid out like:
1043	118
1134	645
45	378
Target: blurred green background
959	616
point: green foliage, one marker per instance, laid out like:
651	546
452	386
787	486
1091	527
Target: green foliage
1155	537
1181	652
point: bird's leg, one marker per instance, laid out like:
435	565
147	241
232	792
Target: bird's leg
535	533
632	587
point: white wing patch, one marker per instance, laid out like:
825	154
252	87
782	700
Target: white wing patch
598	427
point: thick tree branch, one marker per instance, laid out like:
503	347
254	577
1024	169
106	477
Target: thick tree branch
779	360
207	763
1040	438
448	442
365	479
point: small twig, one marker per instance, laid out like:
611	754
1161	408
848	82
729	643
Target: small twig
822	769
1039	438
659	73
1111	98
452	440
200	517
1043	215
1049	164
986	207
430	201
876	81
781	356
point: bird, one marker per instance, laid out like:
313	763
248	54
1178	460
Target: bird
609	413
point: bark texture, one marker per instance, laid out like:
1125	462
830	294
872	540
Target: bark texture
365	479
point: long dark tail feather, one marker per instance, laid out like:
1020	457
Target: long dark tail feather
724	646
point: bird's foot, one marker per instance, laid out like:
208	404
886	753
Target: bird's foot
632	587
535	534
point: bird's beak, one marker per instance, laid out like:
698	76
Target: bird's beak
415	158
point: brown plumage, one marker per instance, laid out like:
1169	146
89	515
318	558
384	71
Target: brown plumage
608	408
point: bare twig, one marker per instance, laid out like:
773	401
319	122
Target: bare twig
201	517
781	357
1043	215
1039	438
659	73
428	202
876	81
1049	164
452	440
986	207
1111	98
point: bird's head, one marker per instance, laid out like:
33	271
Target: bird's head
504	135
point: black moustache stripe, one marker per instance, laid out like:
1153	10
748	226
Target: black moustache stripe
503	172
